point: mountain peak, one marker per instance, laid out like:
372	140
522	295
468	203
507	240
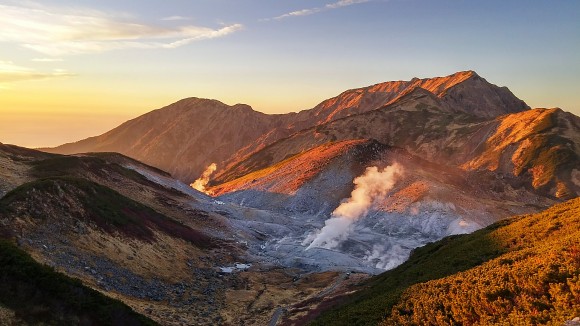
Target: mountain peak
440	85
465	91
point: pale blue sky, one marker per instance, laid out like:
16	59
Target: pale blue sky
119	59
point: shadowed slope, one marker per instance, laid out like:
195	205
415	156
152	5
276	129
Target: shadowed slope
39	295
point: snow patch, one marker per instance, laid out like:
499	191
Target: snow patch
236	268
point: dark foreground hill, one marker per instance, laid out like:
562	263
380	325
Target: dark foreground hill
31	293
521	271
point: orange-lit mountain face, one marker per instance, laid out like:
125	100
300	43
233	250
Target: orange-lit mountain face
461	92
185	137
540	147
317	180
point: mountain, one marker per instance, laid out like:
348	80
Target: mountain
541	147
182	138
303	206
185	137
523	270
463	91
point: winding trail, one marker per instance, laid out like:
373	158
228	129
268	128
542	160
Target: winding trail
276	316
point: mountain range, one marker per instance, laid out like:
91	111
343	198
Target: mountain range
302	207
209	131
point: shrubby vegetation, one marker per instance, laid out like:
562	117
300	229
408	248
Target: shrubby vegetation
39	295
520	271
108	209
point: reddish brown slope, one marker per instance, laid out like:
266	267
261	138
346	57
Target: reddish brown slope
463	91
289	175
182	138
542	144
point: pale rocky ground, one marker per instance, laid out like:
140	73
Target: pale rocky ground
426	204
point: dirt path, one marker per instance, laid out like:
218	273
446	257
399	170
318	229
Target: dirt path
336	283
276	316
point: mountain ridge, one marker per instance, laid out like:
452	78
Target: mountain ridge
241	131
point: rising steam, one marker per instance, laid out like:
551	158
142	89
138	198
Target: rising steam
374	184
200	183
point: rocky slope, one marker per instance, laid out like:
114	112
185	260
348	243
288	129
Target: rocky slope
185	137
32	294
426	202
145	243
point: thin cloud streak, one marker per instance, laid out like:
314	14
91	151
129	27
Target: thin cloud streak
175	18
10	72
47	60
315	10
65	31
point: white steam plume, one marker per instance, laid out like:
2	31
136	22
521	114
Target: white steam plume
372	185
203	180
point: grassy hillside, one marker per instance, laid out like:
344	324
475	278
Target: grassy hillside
39	295
524	270
108	209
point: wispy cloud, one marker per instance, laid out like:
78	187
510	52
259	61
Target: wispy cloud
65	31
11	72
175	18
344	3
315	10
47	60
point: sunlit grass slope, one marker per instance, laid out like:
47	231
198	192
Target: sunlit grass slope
521	271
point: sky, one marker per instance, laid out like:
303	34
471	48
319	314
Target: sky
75	69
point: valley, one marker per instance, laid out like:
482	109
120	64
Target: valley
342	214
